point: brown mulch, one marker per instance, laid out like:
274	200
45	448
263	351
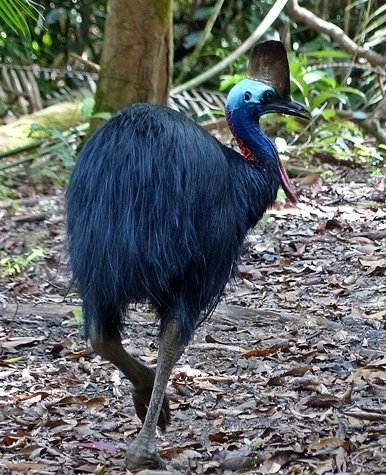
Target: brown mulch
287	377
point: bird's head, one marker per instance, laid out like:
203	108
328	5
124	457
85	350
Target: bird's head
256	99
267	89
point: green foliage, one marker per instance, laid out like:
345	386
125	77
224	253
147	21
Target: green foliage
77	317
235	22
86	109
11	266
324	95
318	88
229	80
55	159
14	14
338	137
51	164
67	26
265	221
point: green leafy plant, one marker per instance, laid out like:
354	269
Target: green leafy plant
11	266
324	94
76	317
55	159
229	80
318	88
52	156
86	109
14	13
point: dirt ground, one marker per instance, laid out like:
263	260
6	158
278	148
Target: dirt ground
287	377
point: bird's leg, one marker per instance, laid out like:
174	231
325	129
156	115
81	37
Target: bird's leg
142	451
141	376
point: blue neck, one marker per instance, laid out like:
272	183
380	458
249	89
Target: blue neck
251	136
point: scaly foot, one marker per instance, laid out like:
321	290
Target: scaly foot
140	454
141	399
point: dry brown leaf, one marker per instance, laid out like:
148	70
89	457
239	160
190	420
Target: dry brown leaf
76	355
98	445
15	342
25	467
222	436
321	401
33	397
341	460
207	386
95	404
262	352
330	224
68	400
329	442
274	463
365	415
91	468
373	263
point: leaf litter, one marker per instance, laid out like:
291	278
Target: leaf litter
287	377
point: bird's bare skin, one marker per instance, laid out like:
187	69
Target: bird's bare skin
149	389
142	450
141	376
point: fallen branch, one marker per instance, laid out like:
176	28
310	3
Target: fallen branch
16	163
87	62
302	15
19	150
216	346
50	147
31	218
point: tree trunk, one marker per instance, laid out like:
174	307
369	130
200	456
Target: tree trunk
137	54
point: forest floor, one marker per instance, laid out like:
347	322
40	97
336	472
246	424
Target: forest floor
288	376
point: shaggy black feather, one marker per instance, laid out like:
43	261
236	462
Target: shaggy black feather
157	210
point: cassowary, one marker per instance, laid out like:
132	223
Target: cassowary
157	210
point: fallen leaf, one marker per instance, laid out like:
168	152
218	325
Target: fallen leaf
262	352
373	263
329	442
25	467
14	342
274	463
98	445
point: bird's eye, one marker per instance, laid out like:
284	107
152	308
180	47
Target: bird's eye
247	96
268	96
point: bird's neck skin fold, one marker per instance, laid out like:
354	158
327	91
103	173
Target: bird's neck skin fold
253	143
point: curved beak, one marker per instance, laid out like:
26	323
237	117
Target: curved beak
289	108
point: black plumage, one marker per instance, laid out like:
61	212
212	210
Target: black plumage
158	212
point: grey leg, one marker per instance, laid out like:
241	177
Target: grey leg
142	450
140	375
